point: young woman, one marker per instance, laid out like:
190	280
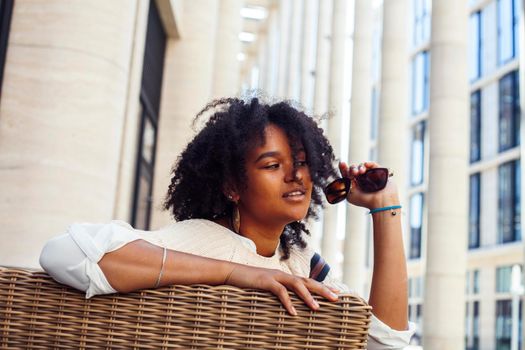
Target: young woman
240	193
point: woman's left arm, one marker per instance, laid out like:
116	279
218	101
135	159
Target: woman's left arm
388	293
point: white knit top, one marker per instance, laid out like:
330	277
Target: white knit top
72	258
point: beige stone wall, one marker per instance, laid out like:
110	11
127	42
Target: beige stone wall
61	118
130	135
187	87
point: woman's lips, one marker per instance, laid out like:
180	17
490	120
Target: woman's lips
295	196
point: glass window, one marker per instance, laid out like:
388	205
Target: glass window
150	95
474	46
422	10
415	287
507	30
474	212
475	126
503	279
417	154
420	83
416	222
475	282
504	324
509	202
472	282
472	326
148	141
143	199
509	111
6	12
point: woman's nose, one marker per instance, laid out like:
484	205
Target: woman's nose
293	174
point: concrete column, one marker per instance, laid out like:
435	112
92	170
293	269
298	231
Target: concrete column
293	86
335	104
285	13
272	52
187	88
444	303
227	68
262	58
130	136
392	134
61	118
393	100
322	62
360	112
320	89
307	53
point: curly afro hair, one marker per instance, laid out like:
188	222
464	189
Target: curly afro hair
216	157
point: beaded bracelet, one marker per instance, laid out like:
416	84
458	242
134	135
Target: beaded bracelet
372	211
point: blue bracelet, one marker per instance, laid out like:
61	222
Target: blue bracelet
385	208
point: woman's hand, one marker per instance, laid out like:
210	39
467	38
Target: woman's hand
279	283
385	197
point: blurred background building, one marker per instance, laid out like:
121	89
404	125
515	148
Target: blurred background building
97	98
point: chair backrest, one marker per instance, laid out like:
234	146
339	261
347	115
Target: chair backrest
37	312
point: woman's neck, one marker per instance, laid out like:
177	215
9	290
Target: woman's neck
265	237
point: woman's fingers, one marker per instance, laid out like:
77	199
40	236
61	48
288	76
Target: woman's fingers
279	282
322	290
360	168
304	287
302	292
282	293
343	169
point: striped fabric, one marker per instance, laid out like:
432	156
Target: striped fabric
318	268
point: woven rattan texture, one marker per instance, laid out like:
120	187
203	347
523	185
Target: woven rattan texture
38	313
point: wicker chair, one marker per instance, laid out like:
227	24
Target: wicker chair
38	313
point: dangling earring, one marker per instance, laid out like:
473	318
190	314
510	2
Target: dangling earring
236	219
236	216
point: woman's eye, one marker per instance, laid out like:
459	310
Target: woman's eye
272	166
301	163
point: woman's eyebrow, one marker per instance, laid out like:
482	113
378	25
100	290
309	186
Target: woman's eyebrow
267	154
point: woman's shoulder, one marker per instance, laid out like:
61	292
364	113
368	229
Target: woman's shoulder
299	260
197	226
309	262
197	236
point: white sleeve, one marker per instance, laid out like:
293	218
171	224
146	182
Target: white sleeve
72	258
380	335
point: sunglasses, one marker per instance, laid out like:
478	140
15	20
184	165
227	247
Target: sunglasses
372	180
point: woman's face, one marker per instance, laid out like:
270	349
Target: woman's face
279	187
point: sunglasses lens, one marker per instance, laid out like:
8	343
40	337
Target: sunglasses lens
337	190
373	180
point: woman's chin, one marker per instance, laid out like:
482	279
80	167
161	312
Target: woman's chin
297	216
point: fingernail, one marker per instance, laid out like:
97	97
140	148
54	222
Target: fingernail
294	312
316	304
333	295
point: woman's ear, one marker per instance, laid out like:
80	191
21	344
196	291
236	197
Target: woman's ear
231	193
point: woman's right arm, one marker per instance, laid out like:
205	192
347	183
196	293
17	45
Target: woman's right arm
136	265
